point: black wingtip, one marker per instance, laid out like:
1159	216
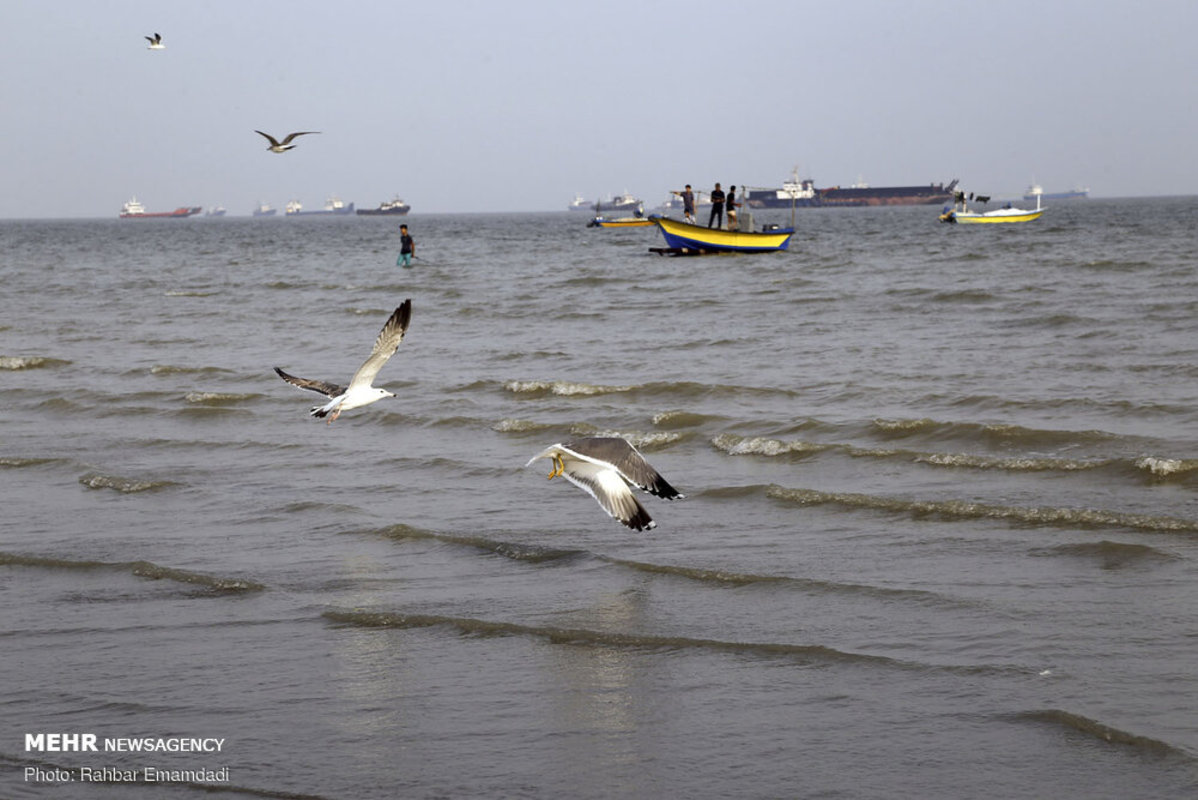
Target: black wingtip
662	488
640	521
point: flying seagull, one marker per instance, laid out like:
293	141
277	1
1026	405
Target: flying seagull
604	466
282	147
156	42
359	392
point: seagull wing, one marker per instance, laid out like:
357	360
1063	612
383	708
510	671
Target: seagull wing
626	460
605	485
150	39
274	142
291	136
327	389
384	346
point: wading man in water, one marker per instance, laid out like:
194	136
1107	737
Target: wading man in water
407	248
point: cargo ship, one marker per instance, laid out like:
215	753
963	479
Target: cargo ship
394	207
1036	192
264	210
626	202
135	210
802	193
331	206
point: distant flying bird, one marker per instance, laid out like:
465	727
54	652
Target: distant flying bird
359	392
156	42
603	467
281	147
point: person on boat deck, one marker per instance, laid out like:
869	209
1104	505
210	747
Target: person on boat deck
407	248
717	207
732	204
688	203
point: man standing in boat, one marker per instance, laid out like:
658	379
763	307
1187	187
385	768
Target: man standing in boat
717	207
407	248
688	203
732	204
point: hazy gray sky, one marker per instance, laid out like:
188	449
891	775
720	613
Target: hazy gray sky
513	106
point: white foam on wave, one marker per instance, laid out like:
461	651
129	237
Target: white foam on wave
565	388
1163	467
735	445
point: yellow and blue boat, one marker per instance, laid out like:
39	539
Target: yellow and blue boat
962	215
683	236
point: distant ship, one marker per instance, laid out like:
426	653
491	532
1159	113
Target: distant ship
802	193
1037	191
625	202
264	210
331	206
392	207
215	211
135	210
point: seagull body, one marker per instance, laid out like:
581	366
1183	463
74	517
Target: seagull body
156	42
603	467
282	147
359	392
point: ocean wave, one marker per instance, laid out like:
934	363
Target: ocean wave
811	585
516	551
1111	555
807	654
17	461
1166	467
638	439
563	388
510	425
141	569
96	480
171	369
991	433
735	445
31	362
218	398
1013	464
964	509
1101	731
683	419
190	293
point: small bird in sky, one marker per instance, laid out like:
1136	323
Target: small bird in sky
156	42
282	147
360	391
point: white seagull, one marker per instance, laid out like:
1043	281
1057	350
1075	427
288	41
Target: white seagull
359	392
282	147
156	42
604	466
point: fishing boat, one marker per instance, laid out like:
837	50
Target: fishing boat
394	207
960	212
684	238
135	210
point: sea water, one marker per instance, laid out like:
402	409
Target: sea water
939	539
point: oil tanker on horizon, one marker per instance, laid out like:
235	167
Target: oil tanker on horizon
802	193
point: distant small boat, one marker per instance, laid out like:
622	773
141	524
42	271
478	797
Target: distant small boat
960	212
135	210
215	211
389	208
264	210
620	222
687	238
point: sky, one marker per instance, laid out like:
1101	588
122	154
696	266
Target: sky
463	106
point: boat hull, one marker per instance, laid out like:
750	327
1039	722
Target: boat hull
383	212
684	236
